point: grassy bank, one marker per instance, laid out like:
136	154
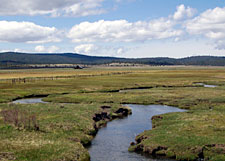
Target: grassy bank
186	136
63	129
196	133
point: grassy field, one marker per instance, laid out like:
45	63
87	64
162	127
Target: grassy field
65	128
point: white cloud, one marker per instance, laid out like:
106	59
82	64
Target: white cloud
84	8
184	12
123	31
97	50
52	7
51	49
39	48
20	50
26	32
85	48
210	24
14	50
103	50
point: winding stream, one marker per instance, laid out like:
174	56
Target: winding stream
111	142
29	101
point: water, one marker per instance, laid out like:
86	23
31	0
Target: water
111	142
206	85
29	101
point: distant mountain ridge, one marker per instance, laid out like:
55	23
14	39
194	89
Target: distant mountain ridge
14	58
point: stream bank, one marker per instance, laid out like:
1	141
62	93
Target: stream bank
112	141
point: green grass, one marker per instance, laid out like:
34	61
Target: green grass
203	98
188	134
64	130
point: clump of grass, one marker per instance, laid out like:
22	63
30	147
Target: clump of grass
20	119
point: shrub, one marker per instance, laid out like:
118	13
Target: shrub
20	119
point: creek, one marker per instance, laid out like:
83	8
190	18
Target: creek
112	142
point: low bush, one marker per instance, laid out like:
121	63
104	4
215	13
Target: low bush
20	119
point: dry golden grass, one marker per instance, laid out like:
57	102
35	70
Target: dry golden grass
47	73
66	72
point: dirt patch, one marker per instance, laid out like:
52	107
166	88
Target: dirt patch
104	116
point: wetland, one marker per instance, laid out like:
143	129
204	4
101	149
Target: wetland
81	103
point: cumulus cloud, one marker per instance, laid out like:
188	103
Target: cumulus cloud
41	49
122	30
51	7
85	48
26	32
84	8
210	24
184	12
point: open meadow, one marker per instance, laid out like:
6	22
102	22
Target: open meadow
81	101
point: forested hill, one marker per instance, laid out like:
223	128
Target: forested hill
12	58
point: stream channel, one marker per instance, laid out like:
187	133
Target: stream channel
111	142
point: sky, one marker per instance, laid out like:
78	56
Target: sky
120	28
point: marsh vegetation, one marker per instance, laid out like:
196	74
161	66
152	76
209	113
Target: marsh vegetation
66	124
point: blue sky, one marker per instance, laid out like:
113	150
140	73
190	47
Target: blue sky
122	28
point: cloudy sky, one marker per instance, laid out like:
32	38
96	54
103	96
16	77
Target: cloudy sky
122	28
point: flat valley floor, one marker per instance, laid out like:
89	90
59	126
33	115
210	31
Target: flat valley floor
82	101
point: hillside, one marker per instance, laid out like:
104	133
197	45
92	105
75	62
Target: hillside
8	59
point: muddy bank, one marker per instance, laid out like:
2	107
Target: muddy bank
97	118
147	87
139	88
105	116
154	150
172	144
199	153
102	118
